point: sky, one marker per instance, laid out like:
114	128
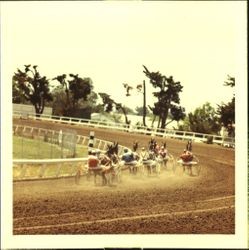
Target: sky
195	42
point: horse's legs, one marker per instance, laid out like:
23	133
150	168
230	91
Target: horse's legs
190	170
165	163
104	179
158	168
88	175
95	178
133	167
130	169
142	169
135	170
149	169
183	166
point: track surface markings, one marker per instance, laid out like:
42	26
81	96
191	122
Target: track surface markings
127	218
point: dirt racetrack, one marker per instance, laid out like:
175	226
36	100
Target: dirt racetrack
168	204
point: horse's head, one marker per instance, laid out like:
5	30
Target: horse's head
115	148
135	146
112	149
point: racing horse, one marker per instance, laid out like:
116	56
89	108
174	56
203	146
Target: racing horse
152	164
189	162
134	165
108	169
111	171
164	161
134	168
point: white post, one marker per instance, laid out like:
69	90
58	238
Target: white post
60	137
91	141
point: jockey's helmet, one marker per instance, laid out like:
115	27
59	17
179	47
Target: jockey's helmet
143	148
93	152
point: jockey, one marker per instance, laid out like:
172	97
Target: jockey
187	157
163	155
157	149
93	161
145	156
128	158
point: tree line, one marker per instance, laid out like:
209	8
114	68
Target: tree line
74	93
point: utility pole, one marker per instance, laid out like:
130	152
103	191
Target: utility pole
144	106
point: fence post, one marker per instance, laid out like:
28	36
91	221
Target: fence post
91	141
83	141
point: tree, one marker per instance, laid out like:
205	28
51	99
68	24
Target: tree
227	111
32	87
76	90
185	125
90	102
59	101
230	81
204	120
141	89
109	105
168	97
17	94
177	113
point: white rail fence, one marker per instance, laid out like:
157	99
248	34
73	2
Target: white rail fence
30	169
167	133
45	168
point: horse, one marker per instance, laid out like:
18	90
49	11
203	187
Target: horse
152	164
99	171
163	160
132	166
189	166
112	173
108	167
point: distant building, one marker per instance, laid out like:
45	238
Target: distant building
101	117
135	120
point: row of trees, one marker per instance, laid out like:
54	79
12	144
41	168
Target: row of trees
74	93
209	120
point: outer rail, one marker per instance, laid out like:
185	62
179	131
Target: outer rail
30	169
170	133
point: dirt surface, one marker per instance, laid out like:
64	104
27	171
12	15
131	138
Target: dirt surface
168	204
